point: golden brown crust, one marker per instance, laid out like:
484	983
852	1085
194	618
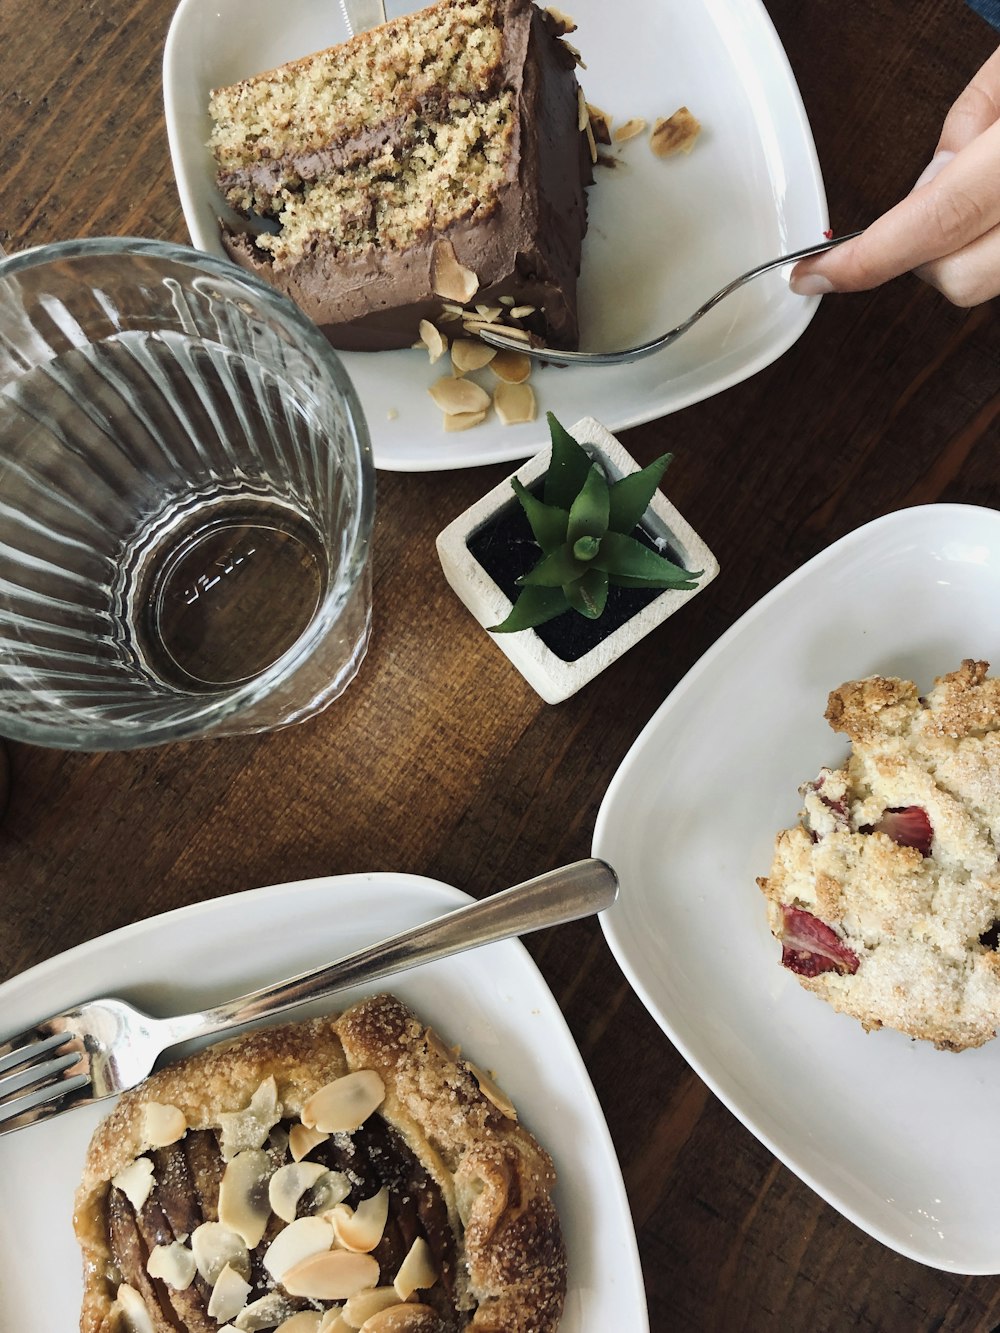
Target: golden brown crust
886	896
494	1178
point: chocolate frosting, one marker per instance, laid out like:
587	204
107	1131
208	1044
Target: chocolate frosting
527	246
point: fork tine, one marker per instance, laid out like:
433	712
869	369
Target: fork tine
41	1073
43	1103
28	1046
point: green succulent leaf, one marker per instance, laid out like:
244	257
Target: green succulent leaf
555	570
534	606
630	496
585	548
548	522
623	558
568	467
589	594
588	514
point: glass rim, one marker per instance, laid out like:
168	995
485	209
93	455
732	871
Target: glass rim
209	718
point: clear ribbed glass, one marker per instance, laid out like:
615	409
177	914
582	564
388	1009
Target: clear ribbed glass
186	501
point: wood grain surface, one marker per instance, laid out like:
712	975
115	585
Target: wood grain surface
440	760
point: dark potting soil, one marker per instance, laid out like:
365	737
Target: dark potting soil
506	549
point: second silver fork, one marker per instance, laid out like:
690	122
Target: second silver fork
105	1046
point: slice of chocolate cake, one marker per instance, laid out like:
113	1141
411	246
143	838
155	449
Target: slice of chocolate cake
439	157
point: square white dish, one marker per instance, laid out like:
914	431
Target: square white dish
893	1133
663	236
493	1002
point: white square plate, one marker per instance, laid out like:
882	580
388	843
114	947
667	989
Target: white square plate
895	1134
493	1002
664	234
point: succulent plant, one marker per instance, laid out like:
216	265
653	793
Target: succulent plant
583	525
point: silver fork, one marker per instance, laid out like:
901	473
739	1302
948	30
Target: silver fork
105	1046
496	337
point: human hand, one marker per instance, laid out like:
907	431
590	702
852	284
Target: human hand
947	230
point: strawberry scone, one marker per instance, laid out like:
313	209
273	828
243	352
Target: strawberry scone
886	897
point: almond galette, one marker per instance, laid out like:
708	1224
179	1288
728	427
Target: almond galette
344	1173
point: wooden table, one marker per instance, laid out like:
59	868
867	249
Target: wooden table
889	399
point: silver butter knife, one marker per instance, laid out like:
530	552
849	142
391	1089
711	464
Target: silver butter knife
360	15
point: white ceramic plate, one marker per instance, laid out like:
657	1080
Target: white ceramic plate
895	1134
664	235
493	1001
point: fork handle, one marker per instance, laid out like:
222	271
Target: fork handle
558	896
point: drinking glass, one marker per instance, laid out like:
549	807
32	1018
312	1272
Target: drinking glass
186	501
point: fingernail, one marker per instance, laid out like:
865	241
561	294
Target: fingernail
810	284
932	168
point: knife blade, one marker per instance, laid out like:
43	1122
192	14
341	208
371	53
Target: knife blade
360	15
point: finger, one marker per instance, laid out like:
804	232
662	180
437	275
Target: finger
960	204
970	275
975	109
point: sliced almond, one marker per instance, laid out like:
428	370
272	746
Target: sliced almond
433	340
266	1312
574	52
582	114
449	278
347	1102
454	395
174	1264
563	21
329	1190
298	1241
490	1089
136	1181
288	1184
470	354
214	1246
243	1202
522	311
454	421
416	1272
366	1303
162	1125
491	313
515	403
334	1321
335	1275
676	134
404	1317
134	1309
302	1140
511	367
629	129
591	140
306	1321
249	1127
506	300
510	331
229	1296
360	1229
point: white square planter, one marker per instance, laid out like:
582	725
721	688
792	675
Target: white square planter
554	678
